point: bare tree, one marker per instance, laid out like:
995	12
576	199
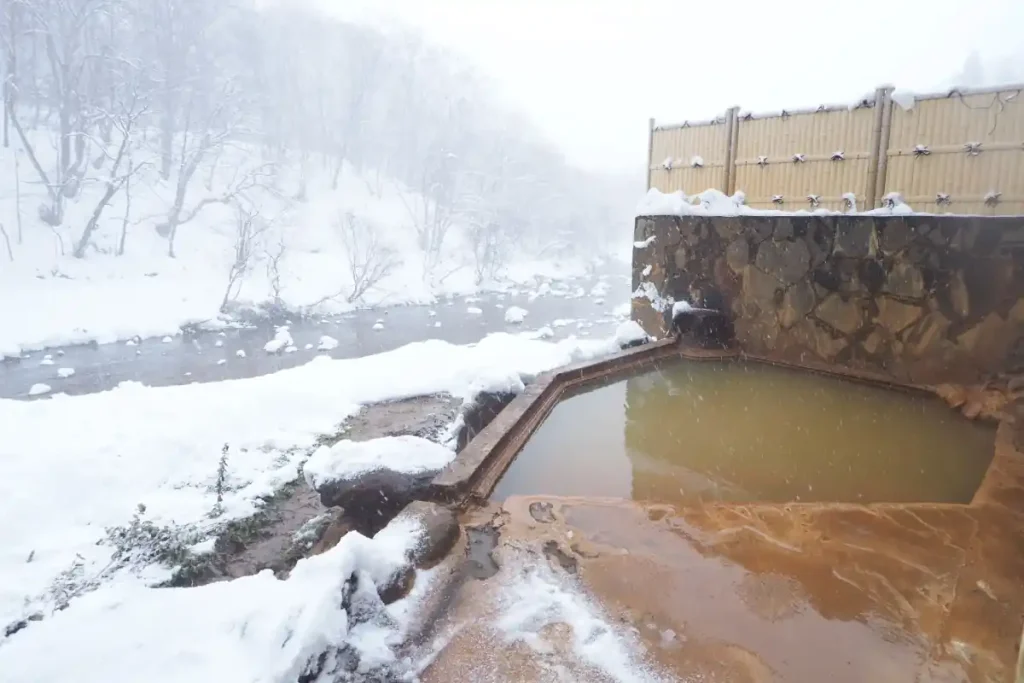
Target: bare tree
12	22
490	249
127	206
368	260
7	241
64	27
274	258
433	210
200	137
124	123
249	227
17	193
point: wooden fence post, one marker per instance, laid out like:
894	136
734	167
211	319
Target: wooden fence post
650	149
875	151
727	165
733	142
883	144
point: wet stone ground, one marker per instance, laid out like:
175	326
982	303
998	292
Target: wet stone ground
753	594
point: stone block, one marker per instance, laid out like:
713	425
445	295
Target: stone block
680	258
796	303
959	297
737	254
786	261
844	316
760	288
855	237
906	280
873	343
929	335
896	235
985	337
783	229
897	316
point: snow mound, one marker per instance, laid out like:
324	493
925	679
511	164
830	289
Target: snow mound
256	628
657	203
515	315
64	373
681	307
349	459
473	310
39	389
47	360
282	340
630	333
327	343
240	353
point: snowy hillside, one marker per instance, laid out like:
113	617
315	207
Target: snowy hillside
202	157
305	255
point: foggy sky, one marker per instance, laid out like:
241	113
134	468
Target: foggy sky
591	72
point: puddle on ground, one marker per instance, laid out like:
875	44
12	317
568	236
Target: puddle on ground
481	541
741	432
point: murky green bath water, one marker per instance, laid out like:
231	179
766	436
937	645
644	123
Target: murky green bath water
751	432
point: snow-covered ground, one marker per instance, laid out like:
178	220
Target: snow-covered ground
51	298
71	468
256	629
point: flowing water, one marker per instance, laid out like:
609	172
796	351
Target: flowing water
744	432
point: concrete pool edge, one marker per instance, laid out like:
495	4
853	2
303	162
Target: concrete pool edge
478	467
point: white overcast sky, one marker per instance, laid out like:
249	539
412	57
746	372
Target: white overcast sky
591	72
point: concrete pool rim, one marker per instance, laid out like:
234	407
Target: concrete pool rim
478	467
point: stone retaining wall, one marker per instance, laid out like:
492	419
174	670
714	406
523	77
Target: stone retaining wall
922	299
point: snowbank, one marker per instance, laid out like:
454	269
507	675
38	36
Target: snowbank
71	466
347	459
630	333
254	629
